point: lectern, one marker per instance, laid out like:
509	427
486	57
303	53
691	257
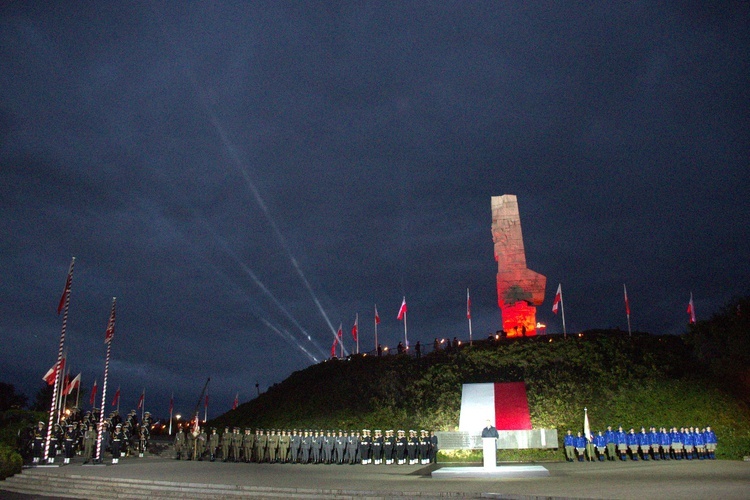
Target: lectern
489	452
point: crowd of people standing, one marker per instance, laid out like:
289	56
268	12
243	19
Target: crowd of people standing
663	444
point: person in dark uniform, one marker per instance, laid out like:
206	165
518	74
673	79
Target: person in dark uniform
89	441
284	442
118	439
213	444
351	447
38	443
55	442
412	446
328	442
340	447
317	443
69	443
294	446
489	430
433	447
377	447
273	446
424	446
388	443
306	446
401	447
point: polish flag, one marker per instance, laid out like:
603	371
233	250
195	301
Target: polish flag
402	310
355	328
116	398
92	398
140	400
110	332
377	318
558	298
333	347
627	304
66	290
75	383
504	404
691	309
236	401
50	377
468	305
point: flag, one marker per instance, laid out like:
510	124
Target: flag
196	425
116	398
333	347
691	309
205	404
468	305
355	328
627	304
50	376
92	398
66	290
504	404
111	325
586	426
75	383
558	298
339	333
64	387
402	310
140	400
236	401
377	318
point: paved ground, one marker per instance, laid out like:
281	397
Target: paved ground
672	479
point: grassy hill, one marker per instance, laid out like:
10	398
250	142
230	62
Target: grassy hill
630	381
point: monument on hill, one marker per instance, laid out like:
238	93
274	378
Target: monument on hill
519	289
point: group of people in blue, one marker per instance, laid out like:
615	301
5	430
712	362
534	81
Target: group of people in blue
663	444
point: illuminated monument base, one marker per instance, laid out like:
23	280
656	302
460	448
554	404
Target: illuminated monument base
519	289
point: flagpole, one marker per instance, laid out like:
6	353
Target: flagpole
62	397
108	339
406	338
356	322
78	393
66	292
562	307
171	411
205	408
468	315
143	403
376	328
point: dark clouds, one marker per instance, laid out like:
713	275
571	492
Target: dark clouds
186	153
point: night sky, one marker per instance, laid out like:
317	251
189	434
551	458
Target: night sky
245	176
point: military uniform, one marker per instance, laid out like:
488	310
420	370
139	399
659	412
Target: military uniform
284	442
226	442
339	448
388	444
236	444
213	444
118	440
261	443
306	447
248	444
424	447
401	448
273	446
38	443
70	442
200	444
89	438
294	446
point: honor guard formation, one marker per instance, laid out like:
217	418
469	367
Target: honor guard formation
686	443
307	446
77	434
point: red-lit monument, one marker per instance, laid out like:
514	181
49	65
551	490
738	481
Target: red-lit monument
519	289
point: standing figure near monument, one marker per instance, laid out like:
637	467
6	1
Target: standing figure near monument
179	444
600	443
70	440
273	446
633	444
294	446
710	438
306	446
569	443
622	443
340	447
580	446
388	444
433	447
118	439
89	441
401	447
609	436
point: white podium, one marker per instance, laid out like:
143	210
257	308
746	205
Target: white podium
489	452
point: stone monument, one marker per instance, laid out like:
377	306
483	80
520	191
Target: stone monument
519	289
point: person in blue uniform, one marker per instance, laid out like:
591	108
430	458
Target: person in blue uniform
609	436
711	443
600	443
569	442
580	443
644	442
700	443
633	444
665	440
621	439
688	441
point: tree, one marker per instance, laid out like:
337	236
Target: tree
43	398
10	399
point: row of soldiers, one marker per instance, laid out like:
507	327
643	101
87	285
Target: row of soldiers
78	437
662	444
328	447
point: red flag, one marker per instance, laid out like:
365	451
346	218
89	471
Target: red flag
558	298
468	305
355	328
402	310
49	377
76	382
205	404
92	398
236	401
627	304
377	318
66	290
110	332
116	398
339	333
333	348
140	400
691	309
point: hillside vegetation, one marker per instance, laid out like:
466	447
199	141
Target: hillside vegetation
630	381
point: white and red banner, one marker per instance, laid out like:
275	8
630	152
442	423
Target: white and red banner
504	404
402	310
558	298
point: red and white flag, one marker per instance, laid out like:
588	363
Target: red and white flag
355	328
691	309
92	397
333	347
402	310
558	298
236	401
627	304
116	398
50	376
75	383
140	400
377	318
110	332
468	305
66	290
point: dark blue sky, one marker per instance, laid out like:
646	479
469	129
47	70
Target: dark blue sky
189	154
